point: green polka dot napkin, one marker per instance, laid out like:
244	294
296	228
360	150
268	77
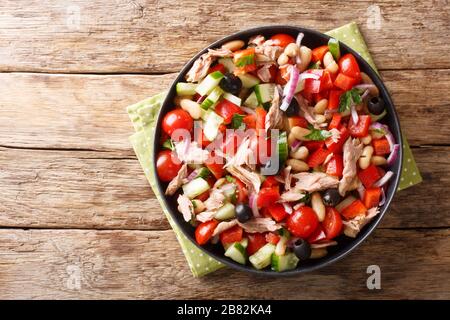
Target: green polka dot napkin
144	114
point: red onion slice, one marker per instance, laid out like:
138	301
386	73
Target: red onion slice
309	75
355	117
289	89
383	197
394	155
200	99
361	190
299	39
296	144
384	179
248	110
252	202
287	207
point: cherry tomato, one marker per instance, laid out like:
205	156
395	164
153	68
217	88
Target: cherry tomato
267	196
318	235
177	119
332	223
205	231
255	242
349	66
260	118
231	235
282	39
227	109
277	212
242	192
318	53
302	222
167	165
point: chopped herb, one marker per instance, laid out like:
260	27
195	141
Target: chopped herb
237	121
315	65
194	204
230	178
267	105
317	135
204	173
234	197
284	233
306	198
348	99
245	60
168	144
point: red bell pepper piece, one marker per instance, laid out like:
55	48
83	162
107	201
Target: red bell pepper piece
318	53
336	147
215	164
355	209
326	83
250	121
335	166
260	118
333	100
318	157
231	235
345	82
369	176
372	197
361	129
349	66
255	242
277	212
335	121
313	145
381	147
267	196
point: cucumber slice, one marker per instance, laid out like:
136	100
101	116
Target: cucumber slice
251	101
203	173
228	64
333	47
232	98
209	83
282	147
376	118
186	89
212	123
285	262
195	187
225	212
230	192
237	253
264	92
243	242
248	80
262	258
212	98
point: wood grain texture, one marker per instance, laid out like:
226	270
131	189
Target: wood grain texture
156	36
88	111
73	189
133	264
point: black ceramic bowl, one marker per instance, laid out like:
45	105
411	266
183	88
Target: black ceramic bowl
345	245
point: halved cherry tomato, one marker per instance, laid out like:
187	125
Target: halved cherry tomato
270	181
227	109
277	212
282	39
361	129
167	165
349	66
302	222
332	223
242	192
297	121
318	53
345	82
215	165
267	196
203	196
205	231
255	242
372	197
177	119
335	166
355	209
369	176
318	235
272	238
333	100
317	157
336	147
250	121
260	118
231	235
218	67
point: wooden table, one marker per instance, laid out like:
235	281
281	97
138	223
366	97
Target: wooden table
77	217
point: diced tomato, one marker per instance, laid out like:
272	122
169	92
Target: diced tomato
335	121
205	231
336	147
260	118
318	235
231	235
215	164
355	209
272	238
361	129
297	121
265	213
244	61
277	212
273	70
255	242
230	143
282	39
218	67
381	146
323	94
270	181
307	95
332	223
317	157
326	83
313	145
267	196
279	79
369	176
284	72
319	52
211	180
335	166
250	121
241	192
345	82
203	196
372	197
333	100
349	66
227	109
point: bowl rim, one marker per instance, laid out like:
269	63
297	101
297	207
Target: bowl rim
365	232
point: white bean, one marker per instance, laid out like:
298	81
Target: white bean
291	139
367	80
320	118
297	165
333	67
292	50
364	160
199	206
283	59
234	45
300	133
367	139
318	206
305	57
320	106
328	59
300	154
378	160
219	183
318	253
192	107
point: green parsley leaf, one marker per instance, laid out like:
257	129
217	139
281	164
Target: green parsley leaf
245	60
348	99
204	173
306	198
315	65
317	135
230	178
237	121
168	144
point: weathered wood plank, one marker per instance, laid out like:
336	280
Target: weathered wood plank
156	36
88	112
44	264
54	189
